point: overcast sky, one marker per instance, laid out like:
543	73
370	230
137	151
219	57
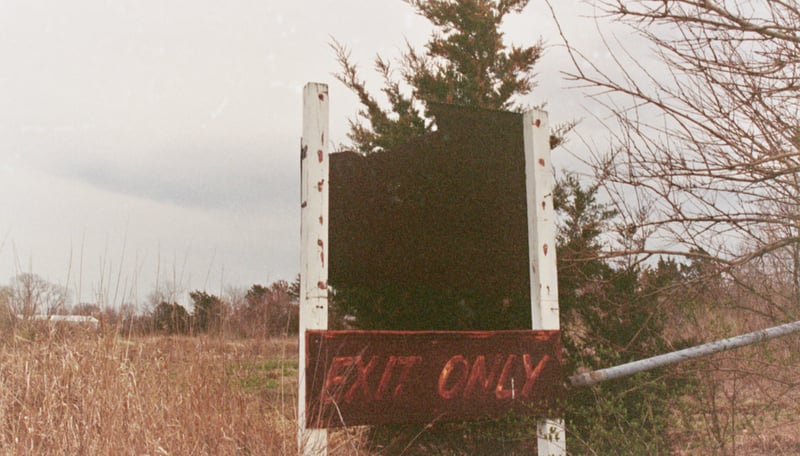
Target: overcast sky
152	142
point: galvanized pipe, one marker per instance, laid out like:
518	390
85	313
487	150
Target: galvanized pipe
623	370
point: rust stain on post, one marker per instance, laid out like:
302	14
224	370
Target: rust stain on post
314	256
544	249
537	123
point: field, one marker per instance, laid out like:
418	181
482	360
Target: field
745	401
68	391
73	392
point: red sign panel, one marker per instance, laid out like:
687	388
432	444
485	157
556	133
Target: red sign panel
378	377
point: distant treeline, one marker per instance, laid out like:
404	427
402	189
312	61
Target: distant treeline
261	311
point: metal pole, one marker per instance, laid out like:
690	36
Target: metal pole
624	370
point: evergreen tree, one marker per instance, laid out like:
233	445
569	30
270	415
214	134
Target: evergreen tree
208	313
271	311
171	318
611	313
465	62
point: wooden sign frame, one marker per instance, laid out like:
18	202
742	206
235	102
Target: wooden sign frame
314	280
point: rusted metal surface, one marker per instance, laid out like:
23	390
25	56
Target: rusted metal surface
378	377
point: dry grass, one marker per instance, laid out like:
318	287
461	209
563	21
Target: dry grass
87	393
747	401
77	392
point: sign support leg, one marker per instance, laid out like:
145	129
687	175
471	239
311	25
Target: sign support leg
314	169
539	182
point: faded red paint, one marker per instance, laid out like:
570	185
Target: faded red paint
537	123
320	155
458	367
480	377
541	162
544	249
374	377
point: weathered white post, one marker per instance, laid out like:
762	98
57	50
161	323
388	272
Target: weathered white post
542	251
314	167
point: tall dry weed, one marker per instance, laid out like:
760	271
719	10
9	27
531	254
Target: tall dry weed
746	400
74	392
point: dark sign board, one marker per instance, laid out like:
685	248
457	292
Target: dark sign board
379	377
443	215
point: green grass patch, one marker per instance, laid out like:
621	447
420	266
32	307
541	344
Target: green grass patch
268	375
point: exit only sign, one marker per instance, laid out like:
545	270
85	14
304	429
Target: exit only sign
380	377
